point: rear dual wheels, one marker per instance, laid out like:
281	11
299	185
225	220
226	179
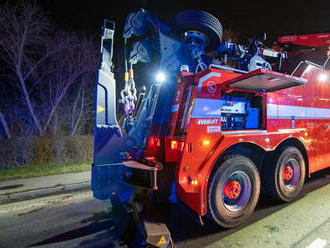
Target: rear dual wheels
284	173
233	191
235	186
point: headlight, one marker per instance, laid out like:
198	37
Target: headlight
160	77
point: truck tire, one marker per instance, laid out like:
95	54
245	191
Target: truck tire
199	22
284	173
227	206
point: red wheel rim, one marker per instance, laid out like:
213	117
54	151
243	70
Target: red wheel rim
232	189
291	174
288	173
237	191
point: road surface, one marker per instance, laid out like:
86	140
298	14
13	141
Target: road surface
78	220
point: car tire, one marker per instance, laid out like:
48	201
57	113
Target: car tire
200	22
276	181
225	211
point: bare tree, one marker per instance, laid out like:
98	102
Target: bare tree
80	57
46	64
23	31
77	111
5	126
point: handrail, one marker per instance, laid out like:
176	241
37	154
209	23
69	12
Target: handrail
314	64
326	61
297	67
306	62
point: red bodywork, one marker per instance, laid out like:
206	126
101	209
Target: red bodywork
310	40
195	141
313	47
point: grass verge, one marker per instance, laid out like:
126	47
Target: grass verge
41	170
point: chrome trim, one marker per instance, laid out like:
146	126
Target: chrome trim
326	61
297	67
290	130
314	64
243	132
306	62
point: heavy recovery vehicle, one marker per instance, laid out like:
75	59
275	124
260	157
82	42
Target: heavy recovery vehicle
206	134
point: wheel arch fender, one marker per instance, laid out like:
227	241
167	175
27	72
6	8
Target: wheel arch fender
251	150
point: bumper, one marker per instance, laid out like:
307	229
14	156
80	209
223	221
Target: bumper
121	178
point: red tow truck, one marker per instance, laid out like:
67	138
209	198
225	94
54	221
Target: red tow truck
215	135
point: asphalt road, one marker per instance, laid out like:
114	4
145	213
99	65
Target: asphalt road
77	220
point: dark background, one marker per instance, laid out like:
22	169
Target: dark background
243	19
74	29
247	18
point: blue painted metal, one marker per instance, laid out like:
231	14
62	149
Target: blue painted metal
252	120
112	143
172	52
141	128
197	43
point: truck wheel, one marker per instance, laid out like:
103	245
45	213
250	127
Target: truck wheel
200	23
284	173
233	191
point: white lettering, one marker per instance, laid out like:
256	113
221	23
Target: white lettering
207	121
213	129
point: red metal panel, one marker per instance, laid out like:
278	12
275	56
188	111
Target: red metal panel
206	79
178	101
264	80
320	79
203	145
311	40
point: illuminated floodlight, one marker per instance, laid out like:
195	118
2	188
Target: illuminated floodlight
323	77
160	77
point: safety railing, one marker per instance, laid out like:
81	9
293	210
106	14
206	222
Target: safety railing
308	63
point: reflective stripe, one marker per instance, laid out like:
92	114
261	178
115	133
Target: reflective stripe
243	132
211	108
206	77
322	113
287	112
291	130
271	110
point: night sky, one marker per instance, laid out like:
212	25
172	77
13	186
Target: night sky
248	18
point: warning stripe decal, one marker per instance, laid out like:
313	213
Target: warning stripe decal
288	112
